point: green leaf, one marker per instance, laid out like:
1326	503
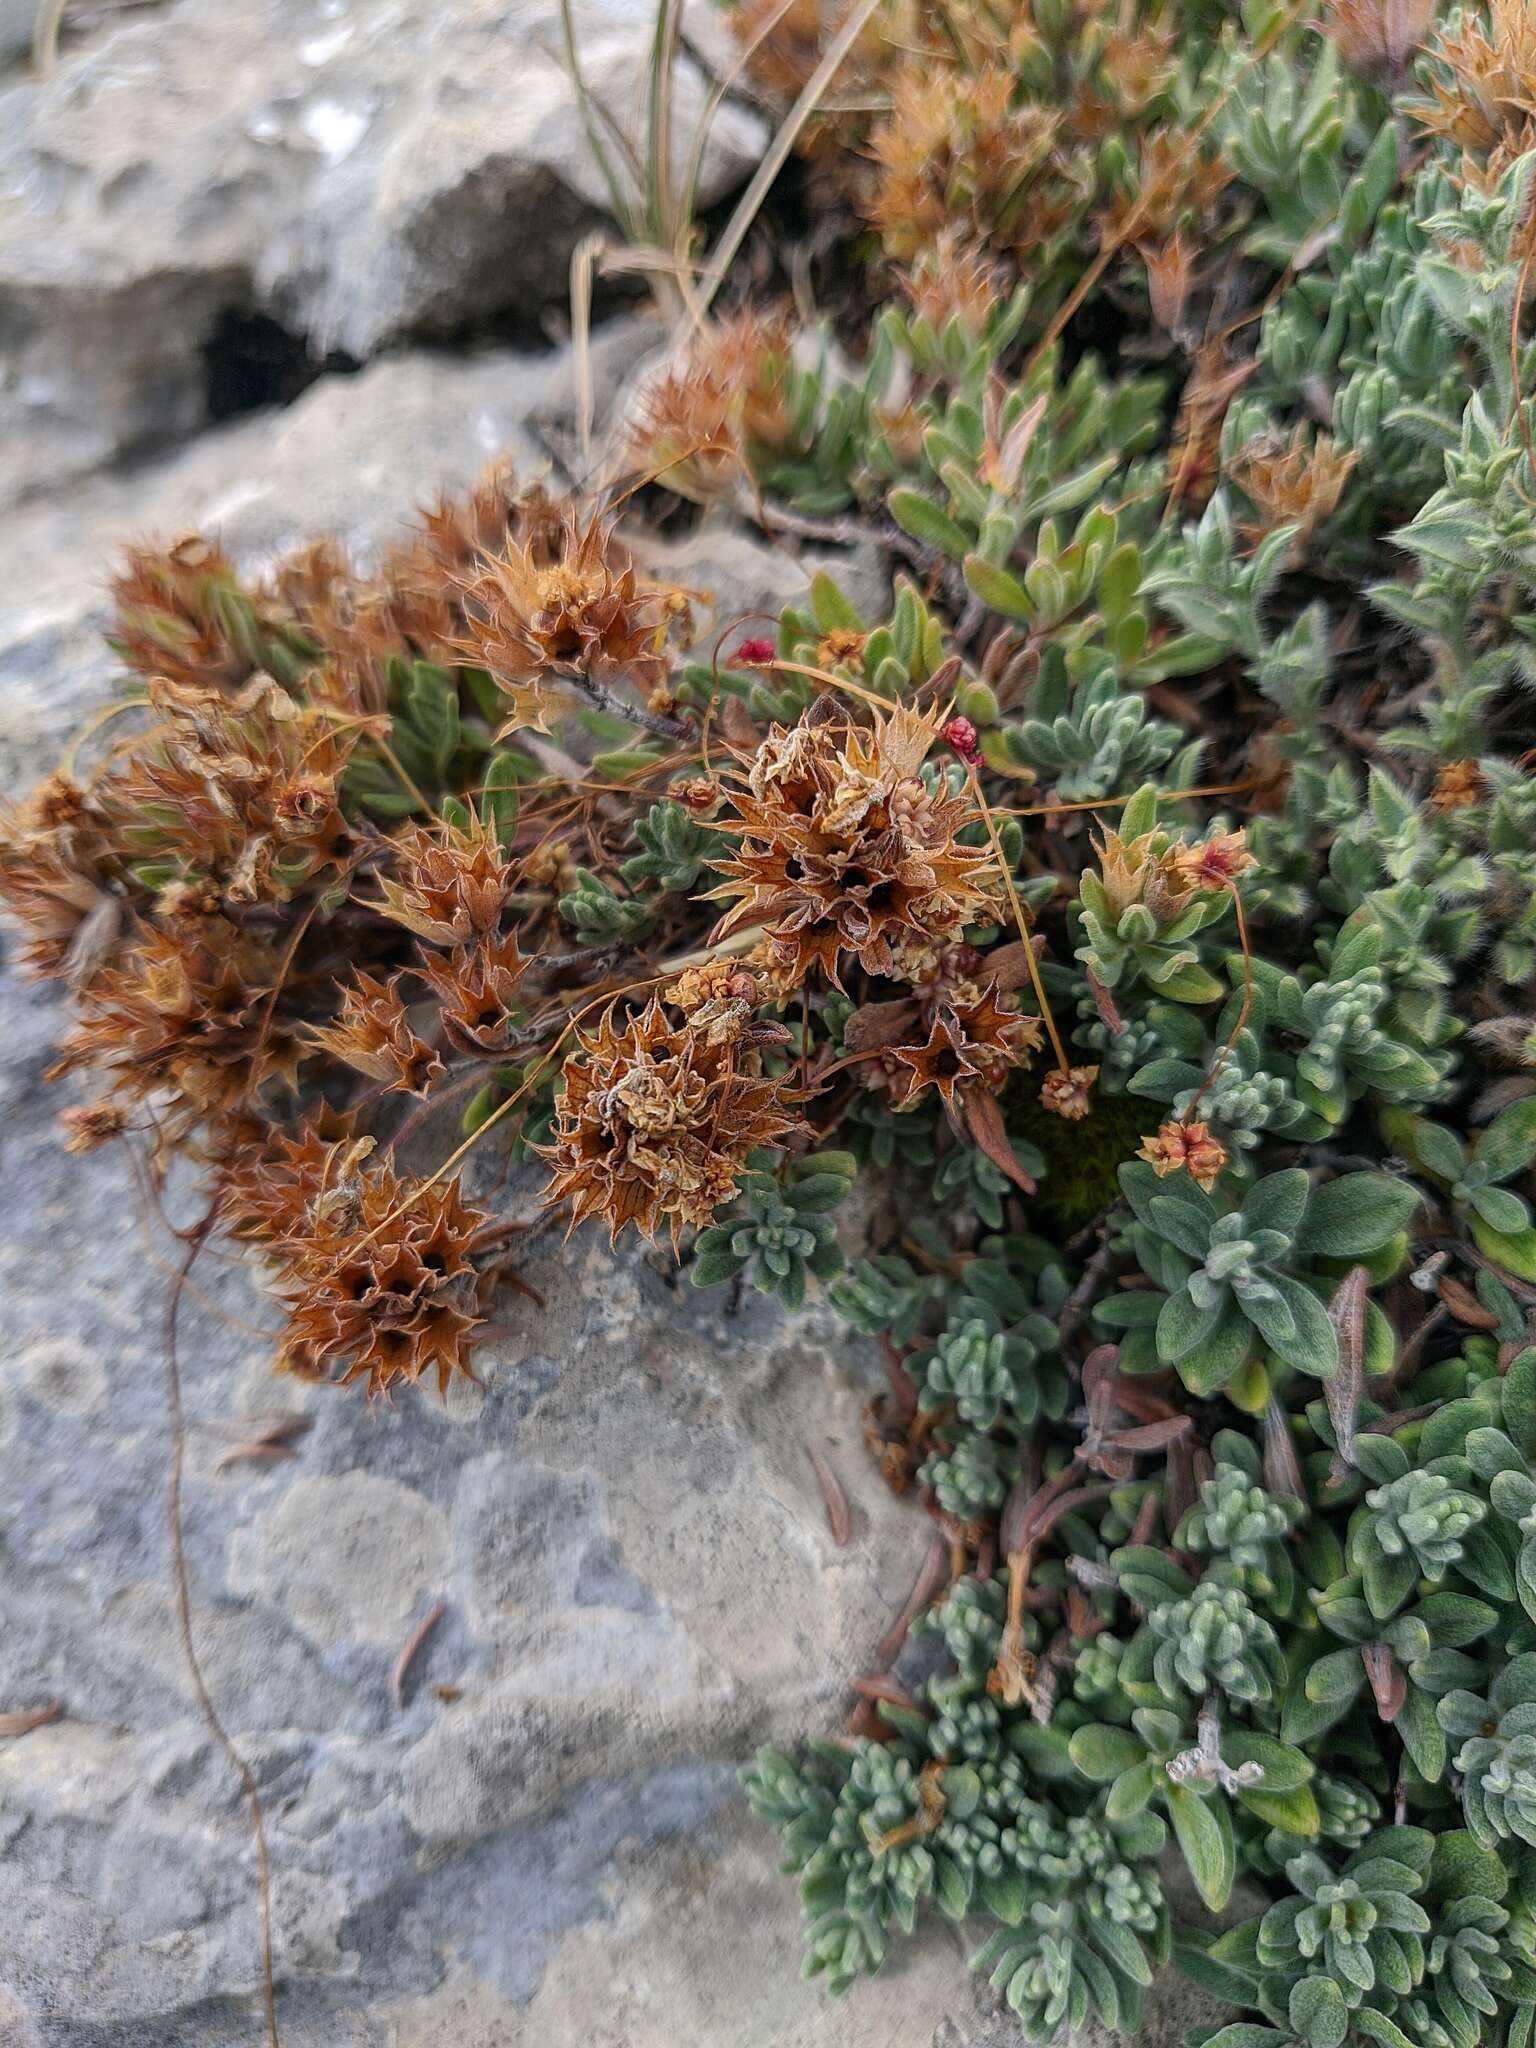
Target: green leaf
434	712
1294	1812
498	795
1204	1831
830	607
1131	1791
1440	1151
1221	1357
1318	2013
1508	1145
1101	1752
1462	1868
1284	1767
1387	1582
1500	1210
998	591
1278	1202
711	1267
1315	1347
1520	1402
922	519
1183	1326
1354	1214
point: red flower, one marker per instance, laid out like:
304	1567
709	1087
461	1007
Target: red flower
757	653
960	734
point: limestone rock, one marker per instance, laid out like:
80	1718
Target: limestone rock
357	169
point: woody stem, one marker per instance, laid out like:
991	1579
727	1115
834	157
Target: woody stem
601	698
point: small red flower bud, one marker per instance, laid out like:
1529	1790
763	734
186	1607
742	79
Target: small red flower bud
962	736
756	653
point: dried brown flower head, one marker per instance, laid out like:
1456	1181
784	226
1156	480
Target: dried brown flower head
391	1299
56	865
954	148
1376	38
374	1034
1486	103
1458	785
844	849
1144	870
239	791
1187	1146
1170	276
977	1037
955	280
1065	1092
843	647
655	1120
92	1125
1216	862
183	1023
448	886
1291	482
476	987
1195	451
787	41
718	998
724	399
584	615
182	612
375	1266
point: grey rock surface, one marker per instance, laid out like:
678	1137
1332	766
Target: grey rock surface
357	169
544	1847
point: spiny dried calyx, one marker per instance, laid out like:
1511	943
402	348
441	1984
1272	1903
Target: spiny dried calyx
842	848
656	1119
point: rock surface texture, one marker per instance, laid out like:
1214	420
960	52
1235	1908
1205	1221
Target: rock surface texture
354	170
543	1844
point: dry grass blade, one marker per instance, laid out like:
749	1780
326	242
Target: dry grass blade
268	1437
410	1649
778	150
22	1723
839	1513
931	1581
45	36
712	105
275	1453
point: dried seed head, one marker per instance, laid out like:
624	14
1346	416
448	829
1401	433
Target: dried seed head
1144	870
1292	482
238	791
724	400
955	149
374	1034
1376	38
1187	1146
1170	275
1458	785
976	1038
449	886
719	999
654	1122
1214	863
584	614
55	857
476	987
93	1124
955	280
184	1021
844	848
1065	1093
